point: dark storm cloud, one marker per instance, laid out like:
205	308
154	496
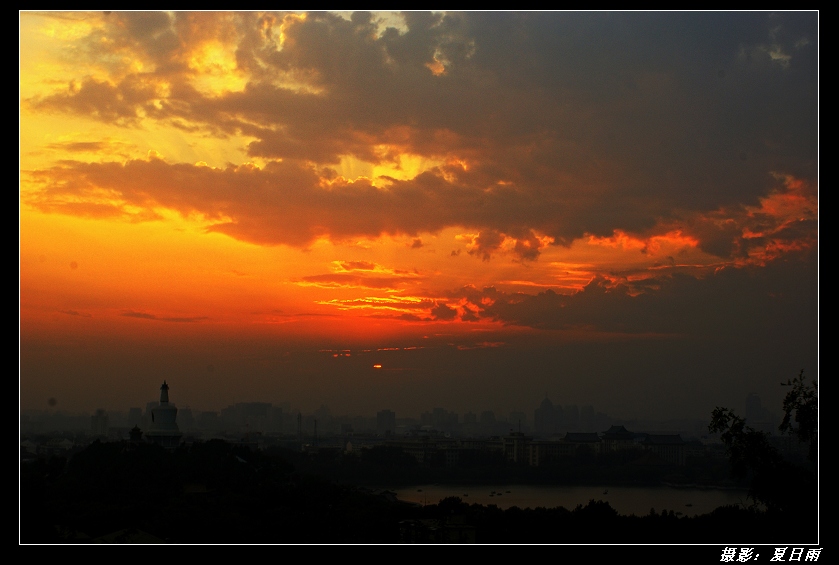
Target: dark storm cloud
486	243
443	312
256	199
120	103
730	303
247	203
570	123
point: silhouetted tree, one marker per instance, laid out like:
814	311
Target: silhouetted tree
774	481
801	405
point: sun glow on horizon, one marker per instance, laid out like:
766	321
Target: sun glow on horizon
313	194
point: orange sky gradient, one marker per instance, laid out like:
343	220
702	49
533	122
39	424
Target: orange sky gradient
236	202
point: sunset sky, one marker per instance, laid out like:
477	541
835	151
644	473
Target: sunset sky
617	209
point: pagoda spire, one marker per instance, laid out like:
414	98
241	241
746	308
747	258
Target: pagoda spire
164	427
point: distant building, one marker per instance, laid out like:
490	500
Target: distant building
135	435
135	416
759	417
209	421
516	447
247	417
547	418
587	422
487	418
439	419
99	423
617	438
587	440
543	451
385	422
186	418
518	421
668	447
163	428
275	419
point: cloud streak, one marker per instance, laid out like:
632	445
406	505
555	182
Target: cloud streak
147	316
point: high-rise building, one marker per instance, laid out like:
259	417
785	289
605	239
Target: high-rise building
99	423
545	419
385	422
488	418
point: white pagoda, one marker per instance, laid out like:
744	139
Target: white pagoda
163	429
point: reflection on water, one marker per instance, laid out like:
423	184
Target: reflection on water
626	500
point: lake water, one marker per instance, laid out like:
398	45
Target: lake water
626	500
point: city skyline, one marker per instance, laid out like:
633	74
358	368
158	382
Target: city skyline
385	210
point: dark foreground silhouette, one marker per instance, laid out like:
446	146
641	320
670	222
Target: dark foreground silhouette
217	492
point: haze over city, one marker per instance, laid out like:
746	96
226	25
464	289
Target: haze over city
408	210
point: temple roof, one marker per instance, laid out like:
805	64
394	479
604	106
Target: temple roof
618	432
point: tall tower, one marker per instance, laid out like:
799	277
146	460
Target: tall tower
163	429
